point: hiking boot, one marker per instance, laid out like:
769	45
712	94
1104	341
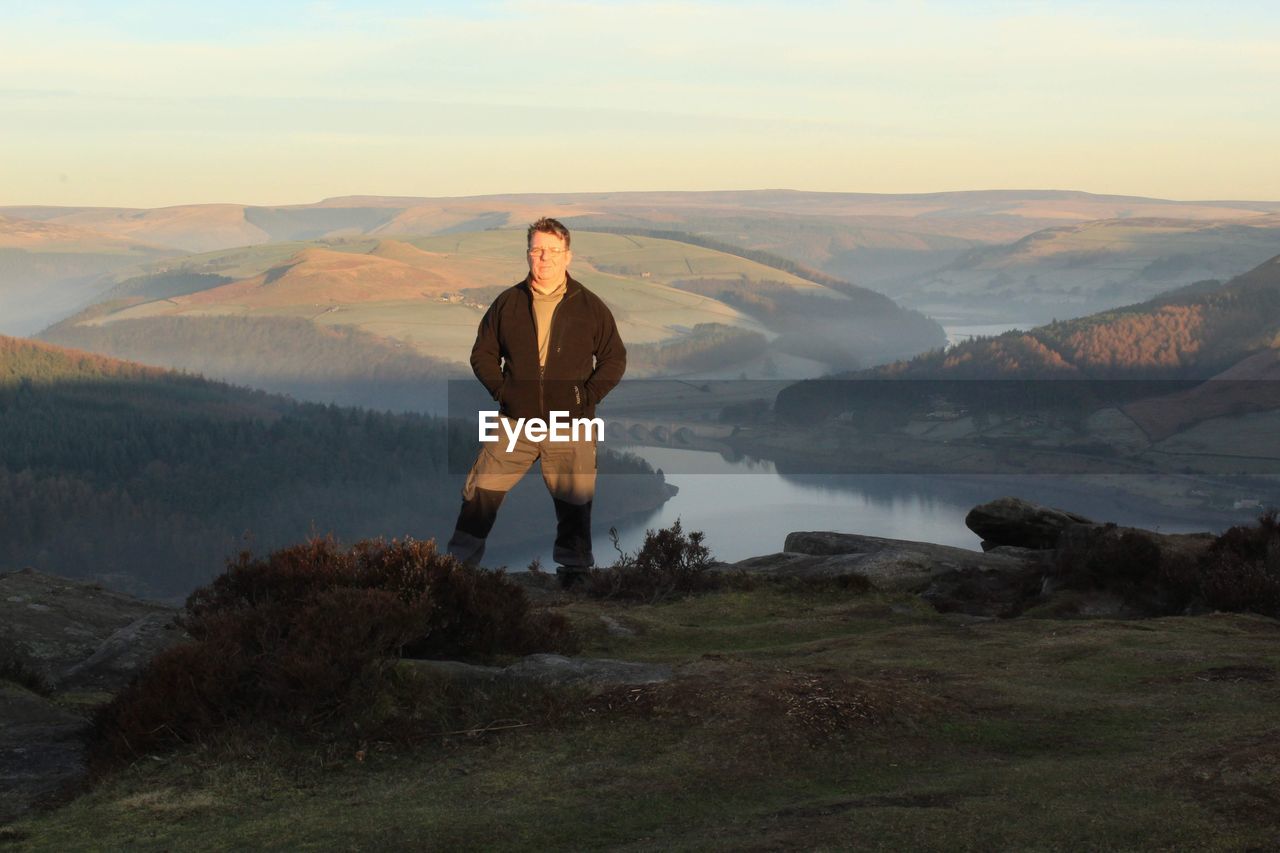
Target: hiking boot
571	576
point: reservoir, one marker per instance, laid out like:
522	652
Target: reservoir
746	508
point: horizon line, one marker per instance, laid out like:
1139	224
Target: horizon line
720	191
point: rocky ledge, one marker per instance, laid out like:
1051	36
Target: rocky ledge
890	564
1035	558
65	646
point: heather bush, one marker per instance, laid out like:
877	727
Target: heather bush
307	639
1241	571
669	563
1130	563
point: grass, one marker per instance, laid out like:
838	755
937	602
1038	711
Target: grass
801	719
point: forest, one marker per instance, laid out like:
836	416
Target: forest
288	355
150	479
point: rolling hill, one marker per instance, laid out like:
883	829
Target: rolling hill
422	298
50	269
1193	333
1197	358
1078	268
190	228
845	234
796	224
928	251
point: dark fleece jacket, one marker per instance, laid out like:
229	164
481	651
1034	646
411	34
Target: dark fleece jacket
585	355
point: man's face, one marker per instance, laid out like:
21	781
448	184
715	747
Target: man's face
548	260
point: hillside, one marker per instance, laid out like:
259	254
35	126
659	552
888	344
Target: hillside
1189	335
1012	256
1077	268
50	269
879	240
322	276
34	235
928	252
147	479
191	228
424	296
1180	385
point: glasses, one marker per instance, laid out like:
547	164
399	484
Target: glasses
546	250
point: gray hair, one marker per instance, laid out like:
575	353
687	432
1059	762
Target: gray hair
547	225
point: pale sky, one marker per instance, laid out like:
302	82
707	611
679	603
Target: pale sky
147	104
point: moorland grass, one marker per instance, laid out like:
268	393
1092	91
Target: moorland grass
1031	734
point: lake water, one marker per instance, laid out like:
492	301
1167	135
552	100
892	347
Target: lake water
959	333
747	509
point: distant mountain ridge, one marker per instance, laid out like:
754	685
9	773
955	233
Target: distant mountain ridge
204	227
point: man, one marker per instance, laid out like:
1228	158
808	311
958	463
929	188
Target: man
546	344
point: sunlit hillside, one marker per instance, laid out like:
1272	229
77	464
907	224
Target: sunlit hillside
679	306
984	255
415	291
1194	333
192	228
50	269
1072	269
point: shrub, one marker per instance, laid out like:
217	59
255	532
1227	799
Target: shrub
1238	571
669	563
1151	579
1241	570
307	638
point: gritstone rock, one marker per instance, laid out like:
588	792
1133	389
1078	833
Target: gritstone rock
1013	521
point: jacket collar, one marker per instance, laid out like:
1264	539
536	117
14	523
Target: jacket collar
571	286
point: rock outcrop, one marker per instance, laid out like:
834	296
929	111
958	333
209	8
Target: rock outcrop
1013	521
41	749
79	635
1035	556
73	641
890	564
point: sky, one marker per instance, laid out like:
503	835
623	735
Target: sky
147	104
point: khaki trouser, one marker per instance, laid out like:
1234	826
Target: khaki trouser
569	471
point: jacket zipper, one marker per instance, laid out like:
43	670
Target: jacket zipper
551	348
542	368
